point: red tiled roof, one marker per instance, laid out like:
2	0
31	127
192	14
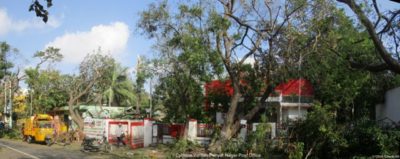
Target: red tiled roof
289	88
296	87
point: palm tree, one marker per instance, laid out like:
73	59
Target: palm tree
120	88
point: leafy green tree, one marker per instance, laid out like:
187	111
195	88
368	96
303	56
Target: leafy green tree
219	41
366	132
186	59
119	89
47	88
320	133
5	64
47	85
91	70
339	64
142	74
181	96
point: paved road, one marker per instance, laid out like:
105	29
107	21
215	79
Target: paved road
11	149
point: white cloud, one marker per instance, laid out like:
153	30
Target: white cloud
8	24
112	39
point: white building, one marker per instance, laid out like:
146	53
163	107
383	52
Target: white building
292	100
389	111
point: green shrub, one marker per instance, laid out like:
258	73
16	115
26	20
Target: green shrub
11	134
258	141
234	146
180	147
296	150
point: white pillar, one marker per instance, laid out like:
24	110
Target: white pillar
192	130
273	130
148	134
219	118
243	129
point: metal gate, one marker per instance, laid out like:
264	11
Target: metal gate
137	134
113	128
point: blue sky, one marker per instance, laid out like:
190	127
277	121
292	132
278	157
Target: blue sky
77	27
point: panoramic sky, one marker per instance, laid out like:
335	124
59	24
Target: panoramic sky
79	27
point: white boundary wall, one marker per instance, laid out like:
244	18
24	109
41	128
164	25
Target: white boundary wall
96	128
391	108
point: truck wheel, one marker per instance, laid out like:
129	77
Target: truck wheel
48	142
29	139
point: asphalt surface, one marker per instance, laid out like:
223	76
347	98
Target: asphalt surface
13	149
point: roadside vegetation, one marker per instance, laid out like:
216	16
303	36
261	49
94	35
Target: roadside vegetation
253	46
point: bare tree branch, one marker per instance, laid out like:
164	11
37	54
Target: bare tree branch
383	52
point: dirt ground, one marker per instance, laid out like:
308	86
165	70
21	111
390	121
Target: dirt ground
73	151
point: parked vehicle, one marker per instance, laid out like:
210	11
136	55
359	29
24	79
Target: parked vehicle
38	128
90	144
120	140
64	138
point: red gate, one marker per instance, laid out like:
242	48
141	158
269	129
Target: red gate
113	128
137	134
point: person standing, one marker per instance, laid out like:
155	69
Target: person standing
56	128
120	135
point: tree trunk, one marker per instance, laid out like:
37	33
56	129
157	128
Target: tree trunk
227	132
110	96
311	150
76	117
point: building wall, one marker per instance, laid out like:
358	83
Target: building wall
292	113
391	108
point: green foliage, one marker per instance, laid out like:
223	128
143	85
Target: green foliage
181	96
326	138
51	54
365	132
218	22
258	141
337	45
118	88
187	58
39	10
10	134
180	147
48	89
5	65
296	151
234	146
321	133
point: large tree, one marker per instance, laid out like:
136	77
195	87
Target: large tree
5	62
46	89
91	70
185	59
46	85
232	33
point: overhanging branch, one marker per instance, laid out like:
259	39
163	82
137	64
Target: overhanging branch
383	52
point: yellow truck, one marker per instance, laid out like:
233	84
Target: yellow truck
38	128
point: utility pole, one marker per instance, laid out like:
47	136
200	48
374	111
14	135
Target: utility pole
299	86
5	98
11	112
151	96
31	94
